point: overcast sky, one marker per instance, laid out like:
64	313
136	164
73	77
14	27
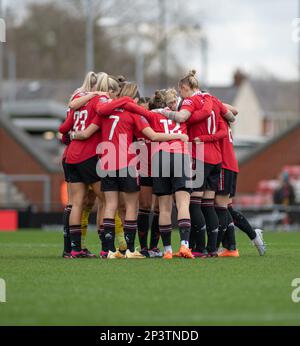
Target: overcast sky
252	34
255	35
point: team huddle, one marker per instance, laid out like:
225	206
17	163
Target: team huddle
137	157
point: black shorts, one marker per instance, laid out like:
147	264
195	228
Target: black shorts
84	172
211	174
171	178
66	171
146	181
227	183
124	180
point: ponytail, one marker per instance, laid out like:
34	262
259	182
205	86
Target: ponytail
190	80
106	83
89	82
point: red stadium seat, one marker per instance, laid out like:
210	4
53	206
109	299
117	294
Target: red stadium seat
293	172
267	186
257	200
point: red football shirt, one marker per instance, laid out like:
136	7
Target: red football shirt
64	155
117	135
161	124
75	96
79	120
143	145
229	160
212	151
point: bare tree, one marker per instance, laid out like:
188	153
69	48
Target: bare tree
49	41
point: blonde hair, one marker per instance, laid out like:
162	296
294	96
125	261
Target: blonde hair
89	82
170	96
105	83
190	80
129	89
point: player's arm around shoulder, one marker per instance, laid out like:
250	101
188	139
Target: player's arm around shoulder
163	137
85	134
80	100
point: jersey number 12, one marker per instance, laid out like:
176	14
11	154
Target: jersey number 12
167	122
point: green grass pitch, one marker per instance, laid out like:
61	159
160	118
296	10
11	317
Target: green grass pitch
44	289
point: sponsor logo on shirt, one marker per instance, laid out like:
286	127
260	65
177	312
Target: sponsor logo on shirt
187	103
103	99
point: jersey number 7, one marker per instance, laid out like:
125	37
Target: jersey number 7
114	124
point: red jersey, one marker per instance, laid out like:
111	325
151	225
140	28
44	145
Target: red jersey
79	120
75	96
212	124
224	136
117	134
229	160
64	155
143	144
161	124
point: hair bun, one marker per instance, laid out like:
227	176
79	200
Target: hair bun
158	95
121	79
192	73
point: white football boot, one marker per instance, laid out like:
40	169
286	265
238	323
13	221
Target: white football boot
258	241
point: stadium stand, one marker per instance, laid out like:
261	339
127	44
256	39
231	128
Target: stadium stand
10	195
40	175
